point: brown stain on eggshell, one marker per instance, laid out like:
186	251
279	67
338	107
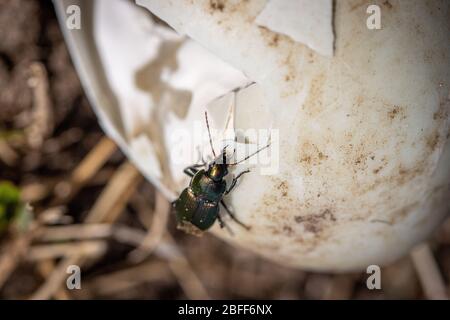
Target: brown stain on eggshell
216	5
314	223
308	218
396	112
310	157
296	219
387	4
403	213
272	39
313	106
286	50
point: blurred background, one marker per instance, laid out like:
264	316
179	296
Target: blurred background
68	196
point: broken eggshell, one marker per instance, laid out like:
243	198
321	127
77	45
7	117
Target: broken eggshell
363	171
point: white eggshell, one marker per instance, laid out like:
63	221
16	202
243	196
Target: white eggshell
363	135
360	139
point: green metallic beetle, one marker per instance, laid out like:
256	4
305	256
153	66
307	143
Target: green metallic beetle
198	206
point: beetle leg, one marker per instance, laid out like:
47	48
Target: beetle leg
189	171
192	170
223	224
233	183
232	216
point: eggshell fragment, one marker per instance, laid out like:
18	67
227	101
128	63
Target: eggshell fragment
305	21
362	155
363	172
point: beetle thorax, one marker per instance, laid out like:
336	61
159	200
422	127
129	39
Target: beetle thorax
217	171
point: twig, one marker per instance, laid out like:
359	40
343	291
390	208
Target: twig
428	272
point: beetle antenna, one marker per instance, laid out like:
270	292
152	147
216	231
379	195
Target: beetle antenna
249	156
209	134
234	149
224	155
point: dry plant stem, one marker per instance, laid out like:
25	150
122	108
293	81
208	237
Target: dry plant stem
45	268
53	251
42	114
115	195
82	175
107	208
178	263
428	272
55	279
340	288
120	233
7	154
86	170
156	230
76	232
33	192
14	253
188	279
128	278
444	233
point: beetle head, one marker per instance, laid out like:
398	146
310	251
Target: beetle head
217	171
219	168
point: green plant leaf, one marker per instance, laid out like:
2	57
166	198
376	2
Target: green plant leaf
10	203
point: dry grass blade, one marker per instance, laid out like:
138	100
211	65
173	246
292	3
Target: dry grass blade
7	154
33	192
178	264
14	252
55	279
42	114
126	279
45	268
156	231
76	232
52	251
81	175
106	209
86	170
93	161
429	274
115	195
120	233
188	279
